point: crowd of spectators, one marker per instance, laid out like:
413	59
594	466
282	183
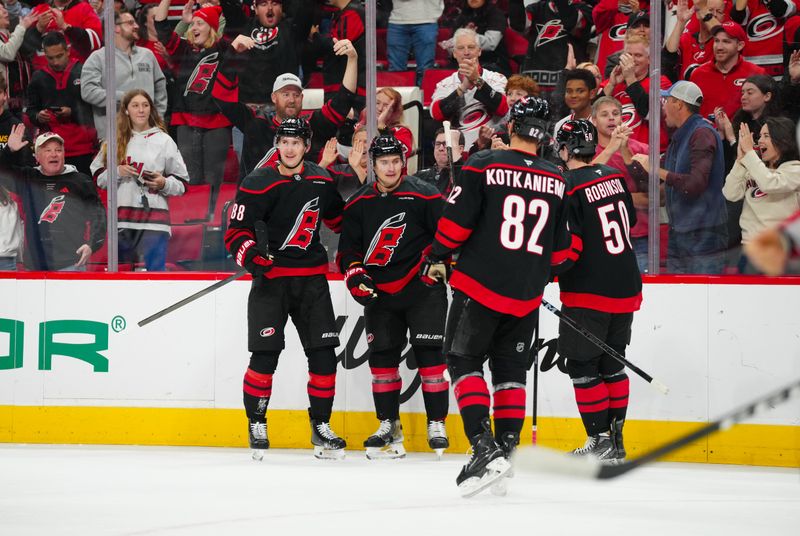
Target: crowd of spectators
199	83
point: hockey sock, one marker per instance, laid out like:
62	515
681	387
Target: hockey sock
435	389
472	396
386	385
321	382
591	395
257	385
618	387
508	408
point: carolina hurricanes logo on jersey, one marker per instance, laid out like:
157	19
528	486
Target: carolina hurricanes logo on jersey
385	240
763	27
51	212
304	226
630	117
202	74
617	32
549	31
264	35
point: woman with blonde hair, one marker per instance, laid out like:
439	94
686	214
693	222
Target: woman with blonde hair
389	108
150	168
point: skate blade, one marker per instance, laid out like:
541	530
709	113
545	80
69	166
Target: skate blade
500	487
258	454
439	453
393	451
321	453
495	470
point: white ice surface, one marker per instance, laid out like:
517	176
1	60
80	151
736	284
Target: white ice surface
65	490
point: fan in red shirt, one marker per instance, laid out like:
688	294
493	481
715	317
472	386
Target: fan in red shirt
76	20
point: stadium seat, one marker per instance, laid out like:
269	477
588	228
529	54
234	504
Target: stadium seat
442	58
396	78
185	244
192	206
315	81
429	81
516	45
380	49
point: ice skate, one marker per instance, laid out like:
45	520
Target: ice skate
437	437
327	445
508	444
616	438
486	465
386	442
599	446
257	434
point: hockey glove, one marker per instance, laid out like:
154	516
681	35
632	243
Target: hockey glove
360	284
434	270
253	261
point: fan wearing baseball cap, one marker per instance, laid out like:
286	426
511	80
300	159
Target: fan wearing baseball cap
693	173
721	79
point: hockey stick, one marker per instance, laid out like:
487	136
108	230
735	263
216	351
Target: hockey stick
448	141
261	243
548	460
606	348
535	400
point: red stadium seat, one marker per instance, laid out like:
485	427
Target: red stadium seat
429	81
315	81
192	206
381	55
185	244
442	58
396	78
516	45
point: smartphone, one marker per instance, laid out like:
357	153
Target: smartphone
711	117
54	108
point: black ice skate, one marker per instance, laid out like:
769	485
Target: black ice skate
437	437
257	432
386	442
508	444
486	465
599	446
327	445
616	438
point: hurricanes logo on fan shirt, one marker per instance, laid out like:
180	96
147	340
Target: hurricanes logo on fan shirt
304	226
51	212
386	238
202	75
263	36
763	27
548	32
617	32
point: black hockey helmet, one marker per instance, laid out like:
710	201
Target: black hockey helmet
579	136
294	127
531	117
385	144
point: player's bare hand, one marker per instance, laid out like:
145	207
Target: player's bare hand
485	134
83	253
498	144
15	140
768	252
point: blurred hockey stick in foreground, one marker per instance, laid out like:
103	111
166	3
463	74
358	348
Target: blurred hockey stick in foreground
448	143
544	460
606	348
261	243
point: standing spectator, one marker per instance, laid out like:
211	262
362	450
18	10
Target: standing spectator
60	204
351	175
638	24
630	85
148	37
551	28
150	168
347	23
722	78
764	21
611	19
136	68
13	67
769	185
490	23
204	133
580	90
439	173
75	19
55	104
472	96
691	44
412	25
10	231
389	108
694	172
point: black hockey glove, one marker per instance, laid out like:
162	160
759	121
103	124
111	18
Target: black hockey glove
251	260
433	270
360	284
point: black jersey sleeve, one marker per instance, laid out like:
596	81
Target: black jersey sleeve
462	209
351	242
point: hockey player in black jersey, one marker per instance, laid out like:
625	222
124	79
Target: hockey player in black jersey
386	227
600	291
506	215
293	197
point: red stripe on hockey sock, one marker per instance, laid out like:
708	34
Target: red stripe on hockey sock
510	397
385	380
321	385
257	384
593	408
255	391
433	379
509	413
618	393
386	387
471	391
592	394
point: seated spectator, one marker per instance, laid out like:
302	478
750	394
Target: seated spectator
203	132
691	44
413	26
55	104
287	96
389	108
611	19
721	79
13	67
75	19
764	21
143	72
768	183
693	172
790	85
10	232
616	148
517	87
551	27
579	92
629	83
439	173
349	175
60	204
490	23
638	24
472	96
150	169
347	23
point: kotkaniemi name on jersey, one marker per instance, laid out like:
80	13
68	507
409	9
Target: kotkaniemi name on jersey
526	180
